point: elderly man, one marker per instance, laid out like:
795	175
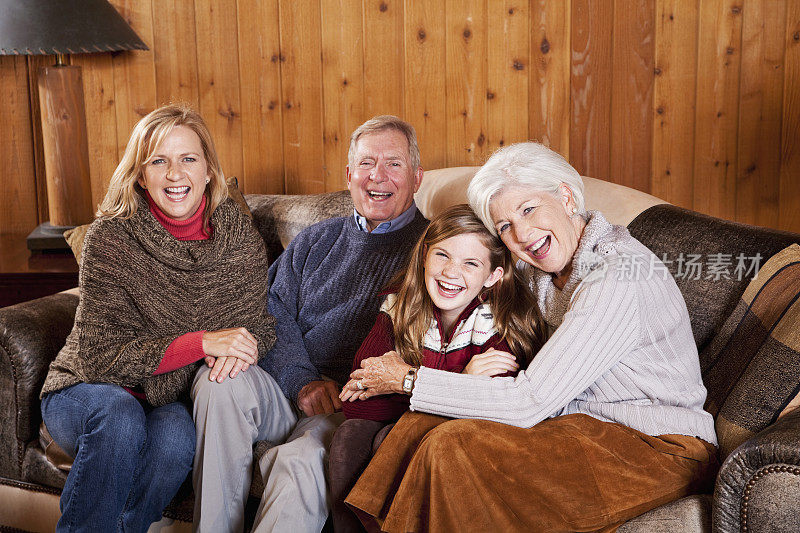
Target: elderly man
324	295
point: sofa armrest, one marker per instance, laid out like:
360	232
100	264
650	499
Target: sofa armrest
758	486
31	334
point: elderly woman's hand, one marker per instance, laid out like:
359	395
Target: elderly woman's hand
377	375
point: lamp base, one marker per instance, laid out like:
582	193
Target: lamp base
48	238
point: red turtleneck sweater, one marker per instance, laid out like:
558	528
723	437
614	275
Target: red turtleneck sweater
187	348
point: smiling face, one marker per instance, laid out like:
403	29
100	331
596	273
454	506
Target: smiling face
456	270
380	177
176	174
538	228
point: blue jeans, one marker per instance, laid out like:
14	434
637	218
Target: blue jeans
130	460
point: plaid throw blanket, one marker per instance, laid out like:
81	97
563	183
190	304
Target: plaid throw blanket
752	367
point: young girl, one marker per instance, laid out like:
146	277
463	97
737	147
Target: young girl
459	306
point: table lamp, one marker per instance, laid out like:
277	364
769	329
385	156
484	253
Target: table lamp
62	27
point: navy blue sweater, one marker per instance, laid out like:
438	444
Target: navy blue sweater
324	293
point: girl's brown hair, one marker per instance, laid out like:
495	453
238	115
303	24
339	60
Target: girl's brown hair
515	310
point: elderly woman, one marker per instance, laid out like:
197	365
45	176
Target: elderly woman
173	273
606	422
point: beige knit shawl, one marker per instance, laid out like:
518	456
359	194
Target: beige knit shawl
140	289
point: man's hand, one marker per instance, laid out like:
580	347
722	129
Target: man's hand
319	397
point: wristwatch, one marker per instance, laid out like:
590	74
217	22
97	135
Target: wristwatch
408	381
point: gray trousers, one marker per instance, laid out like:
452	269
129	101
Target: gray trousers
230	417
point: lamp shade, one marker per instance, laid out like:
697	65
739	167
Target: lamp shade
50	27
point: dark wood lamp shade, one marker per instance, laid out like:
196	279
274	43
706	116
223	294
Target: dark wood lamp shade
61	27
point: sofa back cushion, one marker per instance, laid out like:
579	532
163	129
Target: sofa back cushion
280	217
686	239
751	366
444	187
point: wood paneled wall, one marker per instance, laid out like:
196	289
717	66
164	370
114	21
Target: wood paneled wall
694	101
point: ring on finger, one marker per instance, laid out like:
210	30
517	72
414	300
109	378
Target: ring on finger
360	385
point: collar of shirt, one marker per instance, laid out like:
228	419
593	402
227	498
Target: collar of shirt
390	225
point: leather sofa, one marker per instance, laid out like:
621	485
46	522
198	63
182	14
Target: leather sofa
759	483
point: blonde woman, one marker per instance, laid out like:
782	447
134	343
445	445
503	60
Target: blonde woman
172	275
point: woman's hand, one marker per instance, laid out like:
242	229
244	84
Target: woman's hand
228	352
233	342
377	375
351	392
222	367
491	363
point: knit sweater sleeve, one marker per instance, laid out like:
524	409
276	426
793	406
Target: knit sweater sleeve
185	350
384	408
600	327
288	361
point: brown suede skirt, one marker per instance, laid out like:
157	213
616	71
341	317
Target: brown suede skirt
569	473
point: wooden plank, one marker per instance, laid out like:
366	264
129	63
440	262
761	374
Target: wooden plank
760	112
549	107
789	199
101	120
34	62
175	52
301	86
134	72
590	127
717	116
18	201
66	152
425	100
218	76
260	91
466	82
342	84
383	57
674	101
508	58
632	94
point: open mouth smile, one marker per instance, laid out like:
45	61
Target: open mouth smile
377	195
448	289
539	248
176	194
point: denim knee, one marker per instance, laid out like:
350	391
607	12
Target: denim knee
172	436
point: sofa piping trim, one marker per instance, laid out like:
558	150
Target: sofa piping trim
33	487
761	472
20	445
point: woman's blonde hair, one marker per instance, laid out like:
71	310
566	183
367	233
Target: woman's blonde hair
515	311
125	193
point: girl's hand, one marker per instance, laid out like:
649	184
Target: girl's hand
234	342
491	363
379	375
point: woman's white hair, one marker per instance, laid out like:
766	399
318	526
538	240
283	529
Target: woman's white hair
528	164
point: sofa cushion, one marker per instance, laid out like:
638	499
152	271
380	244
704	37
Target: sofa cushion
752	368
280	217
678	233
444	187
